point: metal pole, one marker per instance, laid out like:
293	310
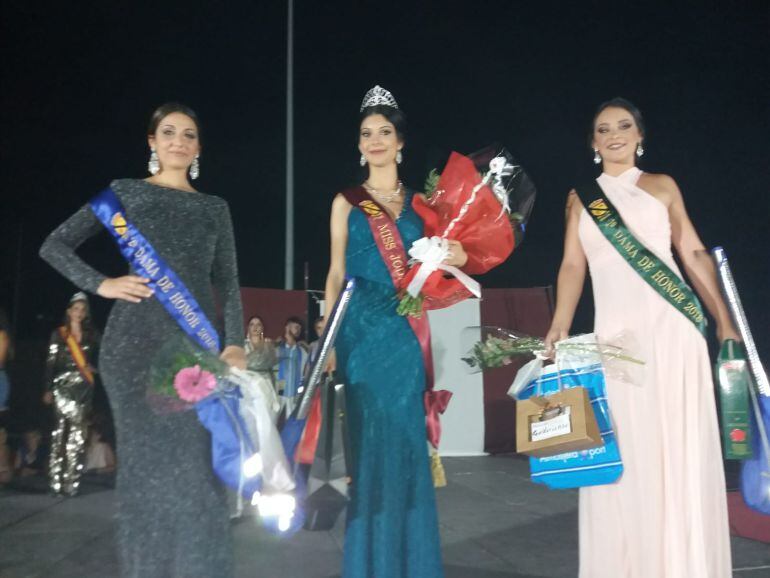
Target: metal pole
289	271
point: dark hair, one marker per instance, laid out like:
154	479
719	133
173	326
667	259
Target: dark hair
301	324
86	326
394	116
4	324
253	317
166	109
294	319
618	102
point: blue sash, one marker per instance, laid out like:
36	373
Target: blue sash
168	287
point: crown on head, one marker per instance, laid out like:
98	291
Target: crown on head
79	296
377	96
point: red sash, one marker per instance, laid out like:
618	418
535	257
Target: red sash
77	354
391	247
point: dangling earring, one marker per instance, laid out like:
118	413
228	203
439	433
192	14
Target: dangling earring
362	162
154	164
399	158
639	150
597	157
195	168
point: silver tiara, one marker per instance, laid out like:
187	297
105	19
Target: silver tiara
377	96
79	296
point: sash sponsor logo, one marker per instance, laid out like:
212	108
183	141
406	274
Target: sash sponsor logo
370	208
599	208
118	223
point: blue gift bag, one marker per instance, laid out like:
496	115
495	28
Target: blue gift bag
591	467
230	443
755	473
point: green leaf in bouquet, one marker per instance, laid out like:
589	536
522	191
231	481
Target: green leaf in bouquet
431	182
410	306
176	354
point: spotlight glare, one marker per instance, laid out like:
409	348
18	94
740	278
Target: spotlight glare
252	467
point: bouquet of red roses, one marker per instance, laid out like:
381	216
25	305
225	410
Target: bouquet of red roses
483	201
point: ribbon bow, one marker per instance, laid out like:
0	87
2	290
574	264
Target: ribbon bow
430	253
436	402
499	167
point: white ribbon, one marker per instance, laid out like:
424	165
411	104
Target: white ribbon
499	167
257	408
431	252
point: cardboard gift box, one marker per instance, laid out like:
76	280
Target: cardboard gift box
561	422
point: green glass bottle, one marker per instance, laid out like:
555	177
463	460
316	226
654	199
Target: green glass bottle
734	382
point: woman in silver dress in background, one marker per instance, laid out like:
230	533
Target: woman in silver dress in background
70	389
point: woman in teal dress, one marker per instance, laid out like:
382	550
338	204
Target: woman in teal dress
392	525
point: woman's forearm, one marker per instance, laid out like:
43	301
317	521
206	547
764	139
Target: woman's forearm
332	290
5	344
701	270
569	288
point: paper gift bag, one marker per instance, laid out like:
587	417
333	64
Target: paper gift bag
560	422
577	468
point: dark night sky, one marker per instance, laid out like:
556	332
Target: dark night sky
79	81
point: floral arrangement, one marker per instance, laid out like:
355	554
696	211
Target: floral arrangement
483	201
498	347
182	375
247	453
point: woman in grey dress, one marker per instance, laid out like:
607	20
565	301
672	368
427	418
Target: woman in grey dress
172	514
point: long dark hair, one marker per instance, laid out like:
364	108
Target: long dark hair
90	334
618	102
166	109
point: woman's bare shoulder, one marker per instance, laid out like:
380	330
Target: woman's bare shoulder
661	186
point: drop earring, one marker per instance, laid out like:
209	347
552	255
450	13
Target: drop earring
195	168
639	150
362	161
154	164
597	157
399	158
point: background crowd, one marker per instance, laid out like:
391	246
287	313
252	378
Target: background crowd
56	427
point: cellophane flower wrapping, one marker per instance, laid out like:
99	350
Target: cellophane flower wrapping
489	347
181	365
482	200
236	406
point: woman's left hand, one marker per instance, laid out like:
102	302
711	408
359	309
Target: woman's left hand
234	356
728	332
457	256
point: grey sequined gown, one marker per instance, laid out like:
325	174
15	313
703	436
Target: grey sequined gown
172	514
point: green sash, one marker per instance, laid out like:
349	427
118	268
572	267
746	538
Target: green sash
654	271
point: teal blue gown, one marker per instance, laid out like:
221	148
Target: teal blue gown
392	525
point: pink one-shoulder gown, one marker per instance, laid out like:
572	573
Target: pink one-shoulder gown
667	515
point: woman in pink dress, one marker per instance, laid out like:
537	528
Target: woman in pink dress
667	515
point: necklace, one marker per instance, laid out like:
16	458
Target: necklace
384	197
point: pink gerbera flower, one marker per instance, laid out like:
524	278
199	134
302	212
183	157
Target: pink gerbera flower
192	384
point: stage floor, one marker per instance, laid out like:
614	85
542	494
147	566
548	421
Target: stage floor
494	524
